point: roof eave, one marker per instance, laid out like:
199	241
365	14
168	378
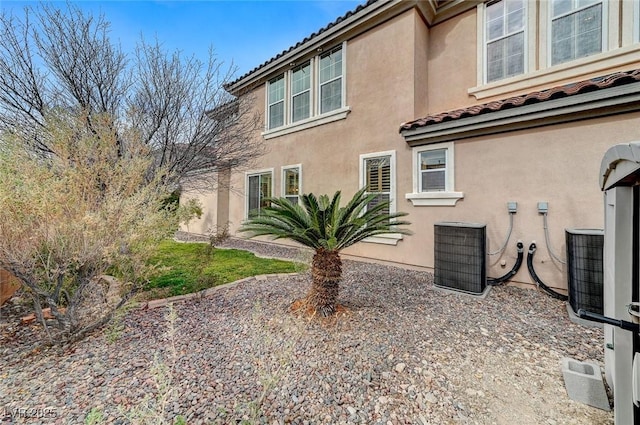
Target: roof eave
357	23
600	103
449	9
361	21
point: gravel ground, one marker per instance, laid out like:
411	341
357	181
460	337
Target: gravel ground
402	353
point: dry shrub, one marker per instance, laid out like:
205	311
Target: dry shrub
87	207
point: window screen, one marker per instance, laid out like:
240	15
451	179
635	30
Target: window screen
330	69
276	102
576	29
433	170
291	179
258	191
505	39
301	92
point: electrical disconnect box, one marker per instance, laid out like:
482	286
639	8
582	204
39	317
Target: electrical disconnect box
512	206
543	207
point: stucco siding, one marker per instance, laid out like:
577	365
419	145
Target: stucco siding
402	70
556	164
208	200
452	63
379	91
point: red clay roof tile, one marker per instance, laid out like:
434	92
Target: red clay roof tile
599	83
306	39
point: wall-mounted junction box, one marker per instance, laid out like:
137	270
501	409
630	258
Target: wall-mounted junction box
543	207
512	206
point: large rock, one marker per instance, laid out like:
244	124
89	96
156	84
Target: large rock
8	285
98	299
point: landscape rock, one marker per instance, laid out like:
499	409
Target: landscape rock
242	341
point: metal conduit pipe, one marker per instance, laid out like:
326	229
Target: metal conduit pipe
539	282
506	241
494	281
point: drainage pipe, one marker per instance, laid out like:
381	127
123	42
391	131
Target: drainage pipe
494	281
539	282
627	326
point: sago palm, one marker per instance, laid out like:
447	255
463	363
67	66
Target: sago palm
323	225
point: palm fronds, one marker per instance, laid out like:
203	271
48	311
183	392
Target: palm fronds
322	223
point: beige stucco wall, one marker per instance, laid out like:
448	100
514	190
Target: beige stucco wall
208	202
379	63
452	63
557	164
401	70
214	201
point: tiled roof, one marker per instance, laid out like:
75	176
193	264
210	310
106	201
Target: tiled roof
599	83
306	39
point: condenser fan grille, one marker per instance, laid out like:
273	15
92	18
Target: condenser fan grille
585	269
460	256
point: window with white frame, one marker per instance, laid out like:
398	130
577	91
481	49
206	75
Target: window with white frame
433	176
562	39
330	80
433	170
576	29
292	183
275	102
259	189
377	174
314	88
505	38
301	92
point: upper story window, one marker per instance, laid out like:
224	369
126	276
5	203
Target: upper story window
330	81
275	102
309	92
563	40
301	92
576	29
505	24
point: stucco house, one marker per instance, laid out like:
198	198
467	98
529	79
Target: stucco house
453	110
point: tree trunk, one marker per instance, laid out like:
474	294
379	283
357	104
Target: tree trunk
326	271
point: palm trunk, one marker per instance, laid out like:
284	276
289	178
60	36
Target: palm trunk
326	271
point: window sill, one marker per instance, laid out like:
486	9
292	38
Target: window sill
556	74
338	114
388	239
434	199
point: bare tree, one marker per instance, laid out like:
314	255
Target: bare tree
52	58
105	136
167	108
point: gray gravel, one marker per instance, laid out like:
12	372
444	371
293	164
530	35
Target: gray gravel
403	353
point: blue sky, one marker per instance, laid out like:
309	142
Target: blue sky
245	32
